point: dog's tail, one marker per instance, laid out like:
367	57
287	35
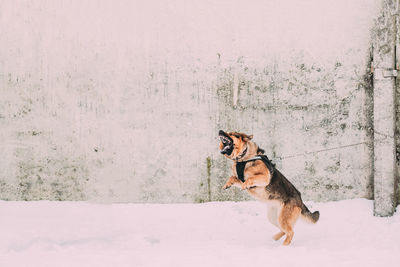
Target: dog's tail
308	216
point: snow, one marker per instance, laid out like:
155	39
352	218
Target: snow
211	234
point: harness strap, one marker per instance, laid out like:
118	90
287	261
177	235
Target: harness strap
240	166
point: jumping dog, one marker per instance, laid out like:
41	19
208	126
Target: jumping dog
254	172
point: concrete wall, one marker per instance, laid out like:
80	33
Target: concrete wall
121	101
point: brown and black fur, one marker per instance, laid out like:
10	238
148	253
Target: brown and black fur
265	183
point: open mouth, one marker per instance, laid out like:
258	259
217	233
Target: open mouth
227	143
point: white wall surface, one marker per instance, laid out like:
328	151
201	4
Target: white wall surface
121	101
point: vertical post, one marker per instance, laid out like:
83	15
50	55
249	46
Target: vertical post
384	66
397	103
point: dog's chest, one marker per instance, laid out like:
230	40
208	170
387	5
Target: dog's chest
242	171
259	193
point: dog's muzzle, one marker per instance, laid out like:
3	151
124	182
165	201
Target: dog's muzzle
227	143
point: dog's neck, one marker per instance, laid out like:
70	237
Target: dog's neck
249	152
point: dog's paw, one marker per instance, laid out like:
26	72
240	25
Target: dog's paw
247	184
226	186
232	181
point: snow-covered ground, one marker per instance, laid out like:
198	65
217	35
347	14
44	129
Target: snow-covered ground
212	234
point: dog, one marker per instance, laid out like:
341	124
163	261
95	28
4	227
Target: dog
255	173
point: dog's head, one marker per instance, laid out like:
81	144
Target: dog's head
233	145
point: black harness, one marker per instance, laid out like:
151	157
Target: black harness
240	166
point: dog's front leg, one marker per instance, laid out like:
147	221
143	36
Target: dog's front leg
232	181
256	180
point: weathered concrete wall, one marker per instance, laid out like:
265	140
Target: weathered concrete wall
397	135
311	109
316	134
384	86
122	100
397	106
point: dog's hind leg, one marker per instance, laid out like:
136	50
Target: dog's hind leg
272	214
278	236
287	218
